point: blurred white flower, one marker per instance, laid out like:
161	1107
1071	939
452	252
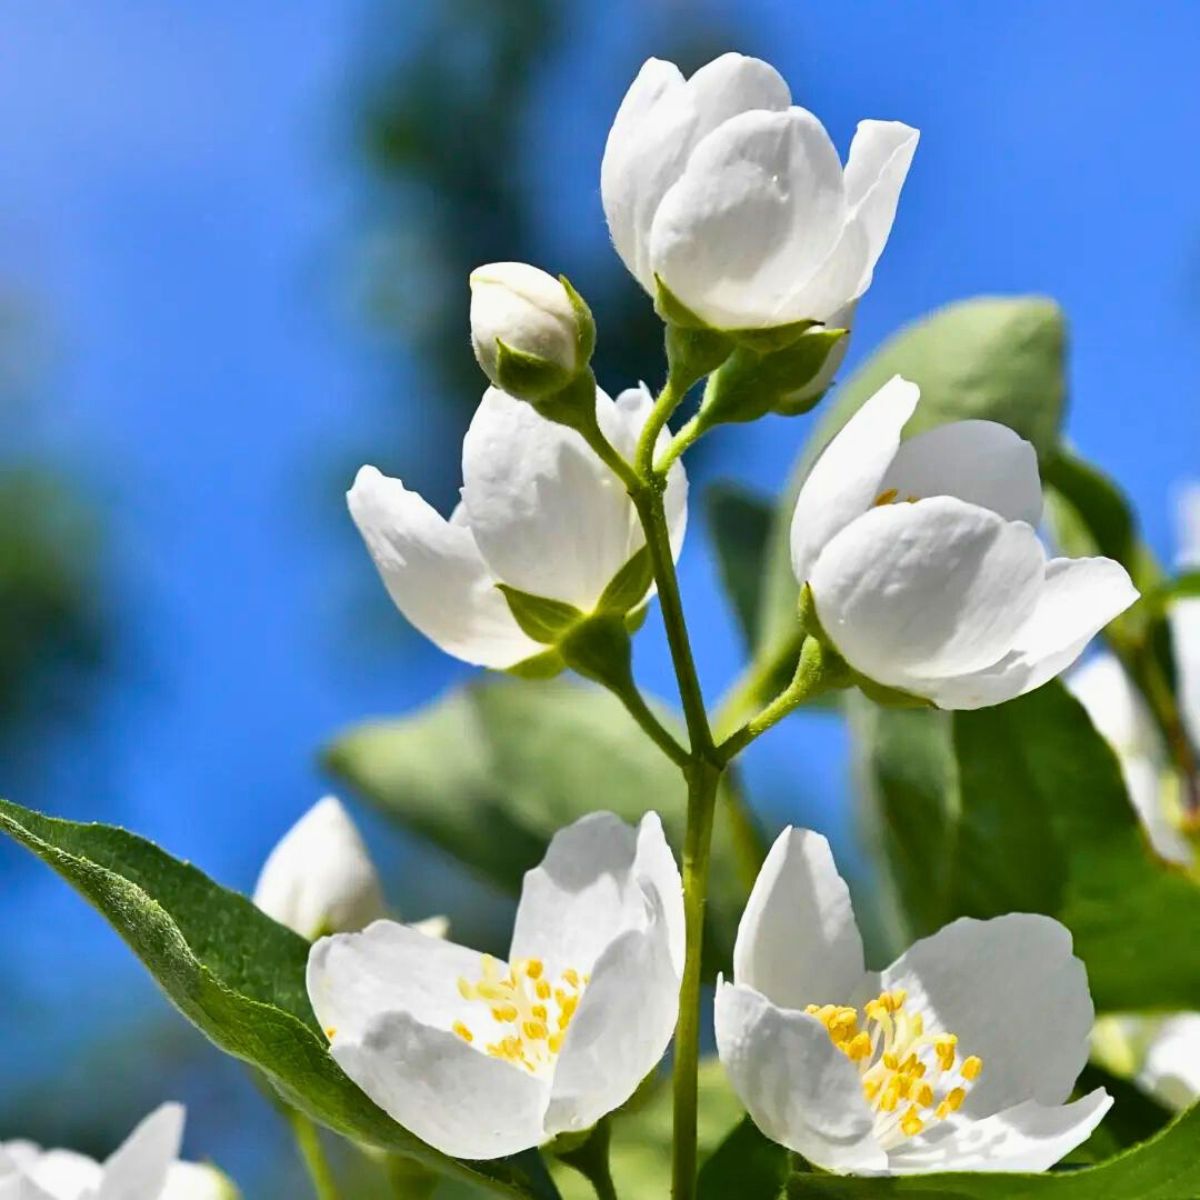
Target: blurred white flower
539	512
320	879
1122	719
1184	615
1170	1070
738	201
533	314
924	564
144	1167
960	1056
481	1058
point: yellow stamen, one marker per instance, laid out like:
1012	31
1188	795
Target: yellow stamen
463	1032
971	1068
886	497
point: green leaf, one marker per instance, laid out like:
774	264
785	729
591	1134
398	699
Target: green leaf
1166	1167
641	1138
747	1165
995	358
1023	808
236	975
491	772
1133	1118
1099	504
740	522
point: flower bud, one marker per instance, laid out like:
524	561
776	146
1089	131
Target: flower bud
319	879
532	333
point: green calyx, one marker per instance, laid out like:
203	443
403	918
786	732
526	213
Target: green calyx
595	644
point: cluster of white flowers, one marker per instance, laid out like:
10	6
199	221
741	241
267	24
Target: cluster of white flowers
919	574
145	1167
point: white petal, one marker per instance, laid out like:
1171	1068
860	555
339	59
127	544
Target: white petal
880	155
592	886
798	1088
1027	1137
320	878
1184	617
981	462
62	1174
759	207
1171	1071
138	1168
451	1095
797	942
656	128
21	1187
833	284
621	1029
933	589
1115	706
197	1181
1014	995
435	575
355	977
1187	518
844	481
548	516
1079	597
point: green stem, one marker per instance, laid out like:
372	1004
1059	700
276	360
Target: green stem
753	688
591	1161
667	402
814	673
691	433
308	1142
635	704
703	780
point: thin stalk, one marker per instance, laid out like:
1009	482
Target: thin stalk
667	402
703	779
752	689
635	704
591	1161
688	435
308	1142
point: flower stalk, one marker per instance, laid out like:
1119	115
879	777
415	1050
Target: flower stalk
312	1153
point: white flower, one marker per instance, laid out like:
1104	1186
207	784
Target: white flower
530	312
737	200
1122	719
1184	615
958	1057
480	1058
320	879
1171	1068
924	565
539	512
144	1167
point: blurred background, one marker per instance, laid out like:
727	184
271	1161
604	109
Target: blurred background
234	242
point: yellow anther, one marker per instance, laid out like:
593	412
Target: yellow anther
891	1095
971	1067
542	990
331	1032
534	968
890	1061
858	1047
571	976
887	497
916	1024
466	989
536	1031
898	997
944	1047
462	1031
556	1041
955	1099
911	1123
540	1013
871	1089
505	1013
924	1096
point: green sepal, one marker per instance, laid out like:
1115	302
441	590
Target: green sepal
694	349
585	323
771	339
599	648
673	311
528	376
539	617
573	405
541	666
752	383
888	697
628	587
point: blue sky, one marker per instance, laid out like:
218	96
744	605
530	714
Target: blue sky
179	212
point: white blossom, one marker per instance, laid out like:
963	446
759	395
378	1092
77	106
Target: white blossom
1170	1070
925	566
528	311
320	879
539	512
960	1056
737	200
145	1167
481	1058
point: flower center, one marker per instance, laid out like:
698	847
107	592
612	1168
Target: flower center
910	1078
529	1014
